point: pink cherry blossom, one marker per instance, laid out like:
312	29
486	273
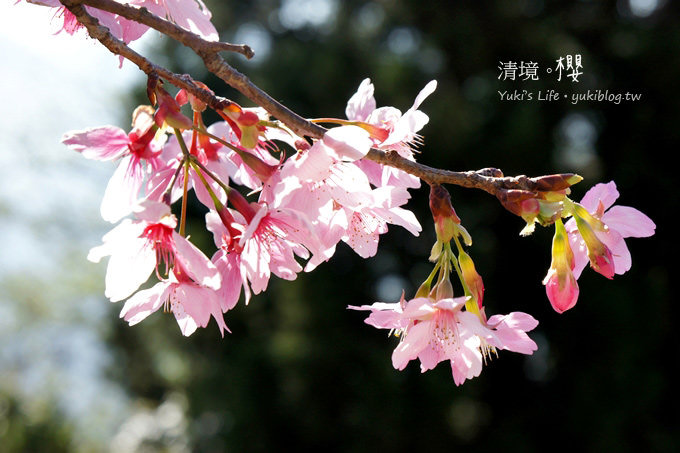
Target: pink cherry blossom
191	303
367	222
621	222
435	331
137	247
326	178
392	130
324	217
510	332
139	154
120	27
389	130
191	15
253	247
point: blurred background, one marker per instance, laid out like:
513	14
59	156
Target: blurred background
299	369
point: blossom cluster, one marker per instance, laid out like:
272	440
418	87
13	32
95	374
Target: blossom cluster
305	205
593	235
279	204
435	326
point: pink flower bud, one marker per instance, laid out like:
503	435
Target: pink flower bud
445	218
560	283
472	279
263	170
168	111
601	259
241	205
562	289
197	105
245	123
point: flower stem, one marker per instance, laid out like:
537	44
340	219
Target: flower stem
185	151
196	166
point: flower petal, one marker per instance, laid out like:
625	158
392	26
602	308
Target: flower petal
414	341
629	222
348	143
99	143
362	103
606	193
619	250
424	93
193	305
197	265
145	302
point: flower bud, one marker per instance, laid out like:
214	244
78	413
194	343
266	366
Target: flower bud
444	290
560	284
601	259
168	111
562	290
472	279
445	218
551	183
423	290
245	123
522	203
197	105
241	205
263	170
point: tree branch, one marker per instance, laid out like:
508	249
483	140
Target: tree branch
143	16
490	180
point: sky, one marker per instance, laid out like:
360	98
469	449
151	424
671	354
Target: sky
53	316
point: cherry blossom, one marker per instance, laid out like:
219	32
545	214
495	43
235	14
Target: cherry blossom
389	130
191	303
437	330
137	247
324	178
191	15
257	244
620	222
140	158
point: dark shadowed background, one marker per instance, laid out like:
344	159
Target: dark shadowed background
300	370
